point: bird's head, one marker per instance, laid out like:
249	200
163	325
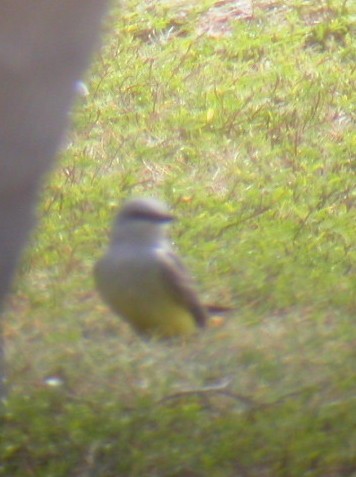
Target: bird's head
141	220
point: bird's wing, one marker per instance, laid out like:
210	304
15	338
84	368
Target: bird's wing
181	285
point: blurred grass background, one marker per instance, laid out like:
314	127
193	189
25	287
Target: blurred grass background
246	128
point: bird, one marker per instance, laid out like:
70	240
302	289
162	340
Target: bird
142	279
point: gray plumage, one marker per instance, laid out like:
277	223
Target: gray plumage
142	279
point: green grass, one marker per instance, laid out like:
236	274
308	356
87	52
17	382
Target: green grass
250	139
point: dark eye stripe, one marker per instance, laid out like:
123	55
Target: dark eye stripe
149	215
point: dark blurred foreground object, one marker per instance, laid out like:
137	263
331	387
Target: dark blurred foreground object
45	45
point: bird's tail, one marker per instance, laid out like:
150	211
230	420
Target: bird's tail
219	309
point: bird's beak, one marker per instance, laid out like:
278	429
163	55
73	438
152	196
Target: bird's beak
166	217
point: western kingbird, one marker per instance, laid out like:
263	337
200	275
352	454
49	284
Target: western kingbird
143	280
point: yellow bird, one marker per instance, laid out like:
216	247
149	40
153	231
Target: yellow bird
143	280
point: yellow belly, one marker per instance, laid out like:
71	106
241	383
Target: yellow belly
138	294
163	322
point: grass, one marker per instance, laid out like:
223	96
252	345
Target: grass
249	138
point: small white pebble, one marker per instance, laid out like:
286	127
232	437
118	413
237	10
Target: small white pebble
54	381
